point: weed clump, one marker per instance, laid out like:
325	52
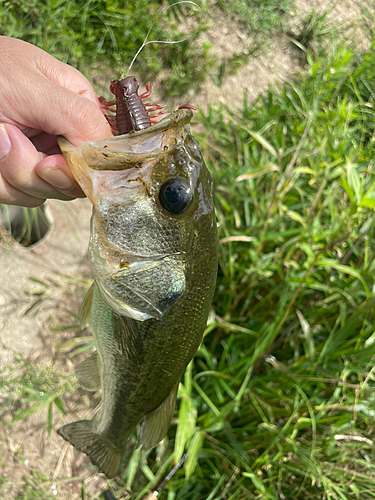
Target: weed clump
27	387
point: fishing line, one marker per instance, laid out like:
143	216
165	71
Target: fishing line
146	41
107	494
172	473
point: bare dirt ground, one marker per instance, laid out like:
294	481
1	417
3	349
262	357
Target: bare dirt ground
25	446
280	59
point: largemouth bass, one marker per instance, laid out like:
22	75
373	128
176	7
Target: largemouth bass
153	253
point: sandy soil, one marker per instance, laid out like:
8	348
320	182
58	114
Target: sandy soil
25	446
280	58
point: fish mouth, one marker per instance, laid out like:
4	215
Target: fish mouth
124	152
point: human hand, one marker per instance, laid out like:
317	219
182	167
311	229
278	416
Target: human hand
41	98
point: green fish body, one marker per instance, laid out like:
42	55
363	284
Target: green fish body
153	252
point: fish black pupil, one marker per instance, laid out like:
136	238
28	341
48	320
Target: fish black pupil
175	195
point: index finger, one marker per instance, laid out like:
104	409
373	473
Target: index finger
43	93
60	111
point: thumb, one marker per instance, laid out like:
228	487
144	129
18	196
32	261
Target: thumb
47	95
61	111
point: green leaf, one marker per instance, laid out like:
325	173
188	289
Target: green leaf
367	202
344	269
355	490
30	411
304	170
194	448
83	491
49	419
256	481
262	141
308	251
297	217
338	337
132	467
60	405
185	427
307	333
206	399
354	180
223	202
257	173
348	189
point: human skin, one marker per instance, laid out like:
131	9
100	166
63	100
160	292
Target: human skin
40	99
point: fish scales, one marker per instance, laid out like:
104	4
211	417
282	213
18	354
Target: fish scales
153	253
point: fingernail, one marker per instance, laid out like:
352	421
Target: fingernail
5	143
56	177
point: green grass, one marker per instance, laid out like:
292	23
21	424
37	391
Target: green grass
314	30
27	388
25	226
258	16
278	402
258	19
106	34
368	12
298	168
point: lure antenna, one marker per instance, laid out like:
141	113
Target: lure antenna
146	41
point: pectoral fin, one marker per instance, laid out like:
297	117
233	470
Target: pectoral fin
88	373
155	424
85	313
128	338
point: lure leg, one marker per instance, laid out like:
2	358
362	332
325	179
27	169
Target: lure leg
154	118
188	106
106	104
148	91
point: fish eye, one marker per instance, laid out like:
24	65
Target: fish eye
175	195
